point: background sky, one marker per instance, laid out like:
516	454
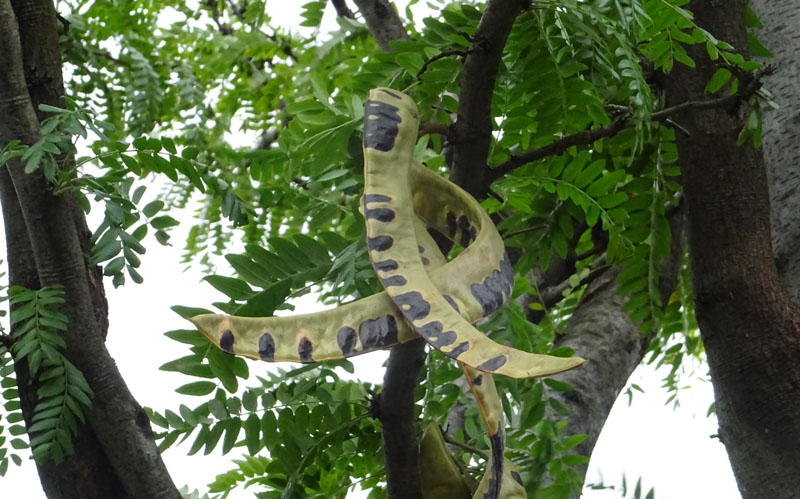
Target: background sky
670	450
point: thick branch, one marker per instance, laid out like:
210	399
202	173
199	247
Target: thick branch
223	28
396	414
601	332
116	419
382	21
749	324
588	137
472	131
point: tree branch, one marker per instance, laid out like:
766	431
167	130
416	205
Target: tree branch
587	137
223	28
472	131
442	55
397	416
32	74
342	10
382	21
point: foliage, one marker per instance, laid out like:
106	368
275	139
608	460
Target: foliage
63	395
168	89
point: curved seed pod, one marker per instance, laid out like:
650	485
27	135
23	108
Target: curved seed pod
439	476
500	481
362	326
510	488
390	130
469	283
491	408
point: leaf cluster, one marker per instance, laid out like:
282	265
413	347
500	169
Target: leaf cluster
63	394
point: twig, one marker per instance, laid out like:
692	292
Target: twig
442	55
526	229
596	250
466	447
587	137
434	128
215	16
6	341
107	56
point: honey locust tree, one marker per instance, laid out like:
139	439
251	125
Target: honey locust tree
583	127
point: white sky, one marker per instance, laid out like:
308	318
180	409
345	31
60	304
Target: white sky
670	450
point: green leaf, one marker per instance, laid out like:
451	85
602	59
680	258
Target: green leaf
232	427
197	388
235	289
190	365
115	266
163	222
558	386
152	208
720	78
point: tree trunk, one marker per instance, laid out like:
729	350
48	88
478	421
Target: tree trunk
781	34
750	327
47	243
603	334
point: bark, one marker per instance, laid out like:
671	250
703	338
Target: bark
87	472
750	326
781	34
342	10
600	332
396	412
472	131
128	455
382	21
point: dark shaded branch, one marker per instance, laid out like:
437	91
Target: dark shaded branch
550	296
472	450
446	53
396	413
472	131
342	10
438	128
223	28
588	137
382	21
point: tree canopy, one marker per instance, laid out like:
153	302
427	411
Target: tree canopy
581	126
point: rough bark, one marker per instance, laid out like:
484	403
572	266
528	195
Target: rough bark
602	333
472	132
117	421
781	34
383	22
750	326
86	473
